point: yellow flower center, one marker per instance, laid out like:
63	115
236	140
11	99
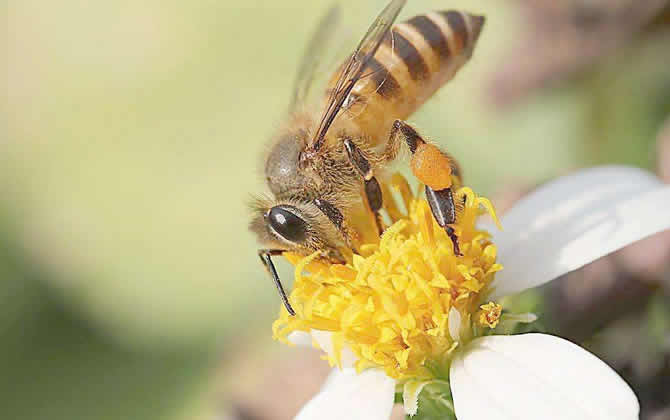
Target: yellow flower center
390	305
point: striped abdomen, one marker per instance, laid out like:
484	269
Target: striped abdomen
416	59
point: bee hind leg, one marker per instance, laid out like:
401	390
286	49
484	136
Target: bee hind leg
434	169
444	211
373	192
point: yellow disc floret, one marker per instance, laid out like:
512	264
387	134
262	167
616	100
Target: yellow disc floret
390	305
489	314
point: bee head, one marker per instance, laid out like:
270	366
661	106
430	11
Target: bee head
293	226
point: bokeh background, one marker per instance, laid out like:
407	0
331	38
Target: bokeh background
129	285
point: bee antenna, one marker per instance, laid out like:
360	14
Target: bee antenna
265	256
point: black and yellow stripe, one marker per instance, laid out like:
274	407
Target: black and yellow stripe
415	60
407	52
432	34
386	84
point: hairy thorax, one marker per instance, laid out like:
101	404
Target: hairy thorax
292	172
282	165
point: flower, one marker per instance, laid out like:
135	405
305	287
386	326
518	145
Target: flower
408	314
391	305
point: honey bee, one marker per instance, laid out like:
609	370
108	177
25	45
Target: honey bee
324	164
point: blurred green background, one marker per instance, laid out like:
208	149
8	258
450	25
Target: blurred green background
129	285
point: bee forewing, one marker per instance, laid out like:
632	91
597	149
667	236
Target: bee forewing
353	69
326	33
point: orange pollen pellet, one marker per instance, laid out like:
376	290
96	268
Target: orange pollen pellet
431	167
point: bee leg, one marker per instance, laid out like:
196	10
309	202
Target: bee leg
265	256
373	192
401	132
434	169
444	211
405	133
335	216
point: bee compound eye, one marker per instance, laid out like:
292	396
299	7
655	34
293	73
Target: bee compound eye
287	224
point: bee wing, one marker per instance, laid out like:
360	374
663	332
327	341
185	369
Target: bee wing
353	68
313	57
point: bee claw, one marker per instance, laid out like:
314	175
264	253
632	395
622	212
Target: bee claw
454	240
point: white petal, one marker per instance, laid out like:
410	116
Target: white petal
300	338
454	324
575	220
365	396
325	341
537	376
